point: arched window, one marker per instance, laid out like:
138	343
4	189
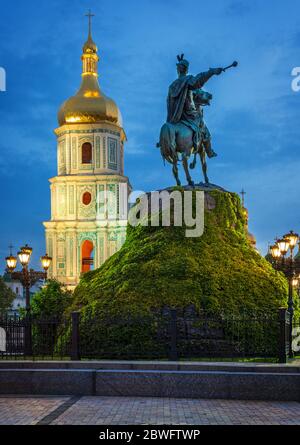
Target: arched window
87	259
86	153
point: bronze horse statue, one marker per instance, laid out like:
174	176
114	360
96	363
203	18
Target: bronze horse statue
176	140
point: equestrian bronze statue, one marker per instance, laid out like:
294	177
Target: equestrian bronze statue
185	132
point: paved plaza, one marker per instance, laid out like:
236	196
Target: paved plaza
30	410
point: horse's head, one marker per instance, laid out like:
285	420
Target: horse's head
202	97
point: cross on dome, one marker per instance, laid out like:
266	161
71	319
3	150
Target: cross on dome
90	15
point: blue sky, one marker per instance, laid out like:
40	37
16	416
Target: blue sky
253	118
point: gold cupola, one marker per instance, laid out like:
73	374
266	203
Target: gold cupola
89	105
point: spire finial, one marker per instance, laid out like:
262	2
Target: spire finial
90	15
243	193
89	56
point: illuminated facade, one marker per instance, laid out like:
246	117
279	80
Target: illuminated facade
89	194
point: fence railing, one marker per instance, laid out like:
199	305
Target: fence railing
171	335
28	337
296	337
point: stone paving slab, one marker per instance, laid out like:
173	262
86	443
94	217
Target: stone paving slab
158	411
27	410
16	410
165	411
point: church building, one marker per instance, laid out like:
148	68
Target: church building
89	194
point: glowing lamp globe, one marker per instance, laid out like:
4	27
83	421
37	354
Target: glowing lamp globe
24	257
275	251
292	238
11	262
46	261
283	245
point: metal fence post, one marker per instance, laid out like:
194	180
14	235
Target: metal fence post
75	355
173	353
283	338
28	336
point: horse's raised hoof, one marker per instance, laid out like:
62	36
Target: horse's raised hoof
212	154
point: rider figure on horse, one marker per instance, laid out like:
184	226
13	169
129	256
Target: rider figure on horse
181	103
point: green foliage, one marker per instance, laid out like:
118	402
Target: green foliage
118	338
6	297
51	301
158	266
47	310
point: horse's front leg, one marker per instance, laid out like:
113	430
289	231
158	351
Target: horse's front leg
187	172
193	163
175	172
204	165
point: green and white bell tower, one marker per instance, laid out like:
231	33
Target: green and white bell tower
89	194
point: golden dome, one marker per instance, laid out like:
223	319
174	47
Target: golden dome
89	105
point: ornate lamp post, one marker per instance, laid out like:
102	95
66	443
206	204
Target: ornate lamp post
28	278
287	266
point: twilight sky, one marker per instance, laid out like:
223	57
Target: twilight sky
254	117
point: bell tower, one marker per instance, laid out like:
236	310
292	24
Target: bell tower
89	194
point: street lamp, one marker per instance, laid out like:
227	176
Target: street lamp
27	278
279	250
46	261
283	245
11	262
292	239
275	252
24	258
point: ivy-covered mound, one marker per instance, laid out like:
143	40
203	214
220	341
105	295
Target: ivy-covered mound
159	266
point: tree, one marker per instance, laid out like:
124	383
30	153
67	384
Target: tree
47	310
6	297
51	301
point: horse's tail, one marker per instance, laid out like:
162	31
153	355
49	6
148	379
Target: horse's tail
167	142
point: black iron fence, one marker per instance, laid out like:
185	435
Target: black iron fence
170	335
296	337
34	338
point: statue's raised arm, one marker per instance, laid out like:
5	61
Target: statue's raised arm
200	79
